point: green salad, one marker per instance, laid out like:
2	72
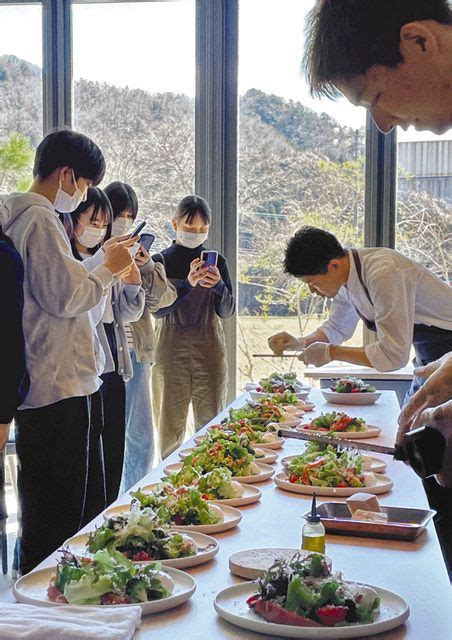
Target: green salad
257	414
321	466
236	455
106	578
335	421
303	592
279	383
352	385
179	506
140	536
214	485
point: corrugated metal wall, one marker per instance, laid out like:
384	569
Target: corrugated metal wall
428	165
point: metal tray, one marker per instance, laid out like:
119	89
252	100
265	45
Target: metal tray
403	523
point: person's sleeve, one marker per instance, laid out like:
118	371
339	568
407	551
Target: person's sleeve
131	302
159	292
223	298
13	371
393	295
91	263
61	285
342	320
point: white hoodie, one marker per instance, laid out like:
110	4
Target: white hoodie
64	358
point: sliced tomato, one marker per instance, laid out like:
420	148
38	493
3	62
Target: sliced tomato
356	390
342	485
341	424
331	614
293	478
142	556
55	595
275	613
114	598
205	496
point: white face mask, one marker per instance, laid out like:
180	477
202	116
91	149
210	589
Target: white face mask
91	236
121	226
64	203
190	240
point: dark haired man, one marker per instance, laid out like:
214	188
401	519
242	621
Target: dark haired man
63	356
395	296
393	57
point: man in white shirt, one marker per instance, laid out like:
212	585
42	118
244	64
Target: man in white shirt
398	298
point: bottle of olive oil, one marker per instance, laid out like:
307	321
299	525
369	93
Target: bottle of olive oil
313	532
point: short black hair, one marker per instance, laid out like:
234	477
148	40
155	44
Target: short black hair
345	38
190	206
97	199
123	198
69	149
310	250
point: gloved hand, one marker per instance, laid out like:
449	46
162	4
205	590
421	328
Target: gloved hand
437	390
284	341
441	418
317	354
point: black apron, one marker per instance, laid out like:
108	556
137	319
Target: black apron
429	342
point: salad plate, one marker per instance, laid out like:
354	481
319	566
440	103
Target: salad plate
371	463
207	549
274	443
340	425
258	395
230	518
230	604
261	454
334	397
250	495
265	472
381	484
32	589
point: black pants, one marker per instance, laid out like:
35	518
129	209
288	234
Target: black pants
57	473
114	431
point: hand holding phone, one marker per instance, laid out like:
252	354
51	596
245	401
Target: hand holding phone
147	240
138	229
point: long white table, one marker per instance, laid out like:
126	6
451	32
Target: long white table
343	369
415	570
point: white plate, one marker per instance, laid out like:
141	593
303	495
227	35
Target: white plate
266	472
207	549
277	443
377	465
267	457
32	589
258	395
370	432
334	397
231	518
230	604
252	563
250	494
383	484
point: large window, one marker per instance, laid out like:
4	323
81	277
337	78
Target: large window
301	162
20	93
134	91
424	203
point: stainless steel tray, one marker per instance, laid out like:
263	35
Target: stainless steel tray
403	523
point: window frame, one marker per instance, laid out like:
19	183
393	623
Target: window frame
216	135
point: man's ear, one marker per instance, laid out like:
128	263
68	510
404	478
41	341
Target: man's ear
416	40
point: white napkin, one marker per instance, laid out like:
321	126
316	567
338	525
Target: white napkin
19	621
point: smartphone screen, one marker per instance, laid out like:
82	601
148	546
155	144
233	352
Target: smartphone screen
147	240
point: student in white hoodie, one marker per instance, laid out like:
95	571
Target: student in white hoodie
92	223
63	354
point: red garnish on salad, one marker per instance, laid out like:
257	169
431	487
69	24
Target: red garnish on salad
55	594
331	614
275	613
142	556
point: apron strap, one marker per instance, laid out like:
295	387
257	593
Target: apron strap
368	323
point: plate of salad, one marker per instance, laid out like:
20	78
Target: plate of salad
370	463
352	391
329	472
105	580
260	414
269	440
182	507
267	456
278	384
304	598
340	425
217	486
258	471
138	535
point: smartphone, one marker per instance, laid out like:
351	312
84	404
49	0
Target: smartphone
210	258
138	229
147	240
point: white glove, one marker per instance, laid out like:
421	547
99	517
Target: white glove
318	354
284	341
